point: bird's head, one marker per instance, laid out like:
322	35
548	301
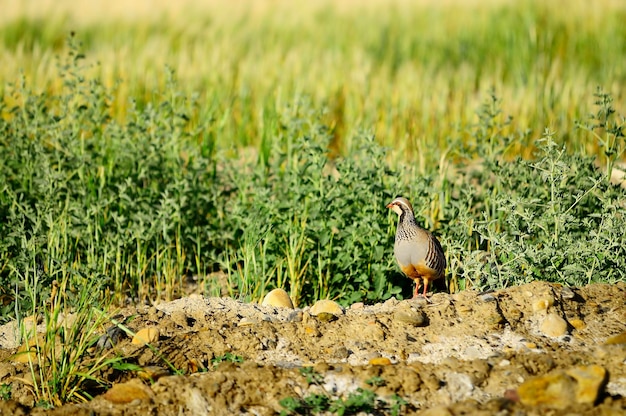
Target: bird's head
400	205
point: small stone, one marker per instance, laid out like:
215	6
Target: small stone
27	352
146	336
311	331
246	322
552	390
326	317
504	363
133	390
380	361
554	326
358	305
111	337
578	324
488	297
590	381
411	317
542	304
567	293
278	298
152	373
326	306
530	345
616	339
582	385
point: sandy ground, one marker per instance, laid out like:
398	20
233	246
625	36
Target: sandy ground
466	353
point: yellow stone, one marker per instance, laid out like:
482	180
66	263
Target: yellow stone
559	390
27	352
326	306
152	373
380	361
590	380
278	298
554	326
579	324
311	331
542	304
553	390
129	392
146	336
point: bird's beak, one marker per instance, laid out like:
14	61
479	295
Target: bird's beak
390	205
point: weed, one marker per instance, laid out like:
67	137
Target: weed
312	376
376	381
228	357
5	391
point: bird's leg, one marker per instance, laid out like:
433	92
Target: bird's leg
425	286
416	290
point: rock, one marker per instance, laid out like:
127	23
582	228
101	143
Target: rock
152	373
129	392
567	293
278	298
542	304
553	325
616	339
146	336
411	316
111	337
380	361
553	390
326	317
578	324
327	306
27	352
581	385
590	381
245	321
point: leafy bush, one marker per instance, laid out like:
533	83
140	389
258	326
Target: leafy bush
130	208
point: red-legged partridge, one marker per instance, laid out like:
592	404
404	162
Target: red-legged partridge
417	251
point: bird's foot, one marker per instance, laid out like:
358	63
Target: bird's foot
422	297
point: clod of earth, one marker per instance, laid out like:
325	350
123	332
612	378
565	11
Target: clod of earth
459	354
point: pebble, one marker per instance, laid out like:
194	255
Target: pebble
111	337
27	352
411	316
146	336
326	306
152	373
542	304
554	326
278	298
578	324
326	317
590	380
380	361
567	293
559	390
246	322
133	390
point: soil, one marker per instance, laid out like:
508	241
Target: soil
465	353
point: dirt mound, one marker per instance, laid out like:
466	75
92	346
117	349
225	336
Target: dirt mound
464	353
